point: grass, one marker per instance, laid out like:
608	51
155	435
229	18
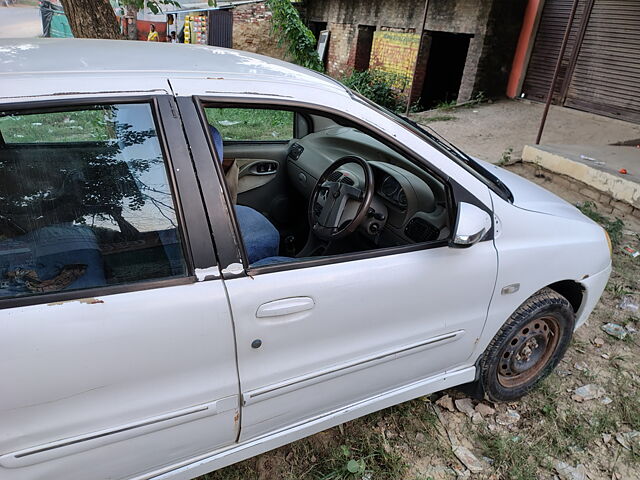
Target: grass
54	127
513	457
251	124
437	118
449	105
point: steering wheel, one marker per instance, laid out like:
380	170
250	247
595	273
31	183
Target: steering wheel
337	209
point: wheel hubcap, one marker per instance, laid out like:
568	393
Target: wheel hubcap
528	351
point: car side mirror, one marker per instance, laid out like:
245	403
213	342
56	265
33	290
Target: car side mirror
472	225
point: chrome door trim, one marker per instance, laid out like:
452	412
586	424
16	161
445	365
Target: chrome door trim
88	441
213	460
295	383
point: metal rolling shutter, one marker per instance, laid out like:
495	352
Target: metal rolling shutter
553	23
606	78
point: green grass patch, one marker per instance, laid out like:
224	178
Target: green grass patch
246	124
57	127
437	118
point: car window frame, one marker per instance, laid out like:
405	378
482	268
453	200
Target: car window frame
455	192
196	253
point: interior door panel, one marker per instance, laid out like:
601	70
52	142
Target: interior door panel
266	192
255	173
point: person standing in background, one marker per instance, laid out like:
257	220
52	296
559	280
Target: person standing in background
153	35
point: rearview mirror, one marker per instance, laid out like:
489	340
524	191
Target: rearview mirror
472	225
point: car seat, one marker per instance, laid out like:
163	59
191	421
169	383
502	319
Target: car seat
261	239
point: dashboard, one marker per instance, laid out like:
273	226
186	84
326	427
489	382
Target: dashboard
409	205
391	190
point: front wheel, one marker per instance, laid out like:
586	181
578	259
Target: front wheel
528	347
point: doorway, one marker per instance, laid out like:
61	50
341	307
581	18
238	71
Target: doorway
445	65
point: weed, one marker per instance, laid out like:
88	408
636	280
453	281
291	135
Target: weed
505	159
362	455
437	118
513	457
380	87
448	105
618	290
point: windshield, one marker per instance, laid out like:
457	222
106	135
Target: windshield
467	162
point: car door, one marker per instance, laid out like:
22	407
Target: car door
116	342
319	336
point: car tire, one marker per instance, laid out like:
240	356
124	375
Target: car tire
528	346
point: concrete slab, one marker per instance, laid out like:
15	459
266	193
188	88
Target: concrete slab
20	21
597	167
488	130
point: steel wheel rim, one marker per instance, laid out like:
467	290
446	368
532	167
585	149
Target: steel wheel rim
528	351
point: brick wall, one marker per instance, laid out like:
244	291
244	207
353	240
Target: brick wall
252	30
493	25
341	42
575	191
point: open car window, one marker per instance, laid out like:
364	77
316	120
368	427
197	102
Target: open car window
75	215
252	125
334	192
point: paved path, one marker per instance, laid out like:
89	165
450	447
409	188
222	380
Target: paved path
20	22
488	130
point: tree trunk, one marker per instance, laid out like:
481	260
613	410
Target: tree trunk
92	19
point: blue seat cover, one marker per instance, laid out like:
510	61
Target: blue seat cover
261	238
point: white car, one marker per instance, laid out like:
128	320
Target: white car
206	254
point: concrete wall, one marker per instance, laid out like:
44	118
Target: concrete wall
493	24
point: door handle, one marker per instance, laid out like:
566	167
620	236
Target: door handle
259	167
285	306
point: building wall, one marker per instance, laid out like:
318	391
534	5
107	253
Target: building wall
252	30
493	24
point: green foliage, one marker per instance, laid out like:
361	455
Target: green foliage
505	159
451	104
154	5
377	86
613	227
300	42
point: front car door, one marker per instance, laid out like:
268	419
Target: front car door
117	358
318	336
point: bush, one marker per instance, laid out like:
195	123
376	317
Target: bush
378	86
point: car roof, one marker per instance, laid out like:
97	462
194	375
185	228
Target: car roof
61	57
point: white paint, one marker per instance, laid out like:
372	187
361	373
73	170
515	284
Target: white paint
147	384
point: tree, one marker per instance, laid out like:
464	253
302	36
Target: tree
300	42
92	19
96	18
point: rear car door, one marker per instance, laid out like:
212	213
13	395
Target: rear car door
118	359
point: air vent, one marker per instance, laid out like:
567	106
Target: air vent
334	177
295	151
347	180
420	230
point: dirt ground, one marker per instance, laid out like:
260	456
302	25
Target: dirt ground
552	433
488	130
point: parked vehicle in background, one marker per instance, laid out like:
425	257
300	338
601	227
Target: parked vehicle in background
206	254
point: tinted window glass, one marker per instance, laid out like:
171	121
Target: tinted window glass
77	215
248	124
57	127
